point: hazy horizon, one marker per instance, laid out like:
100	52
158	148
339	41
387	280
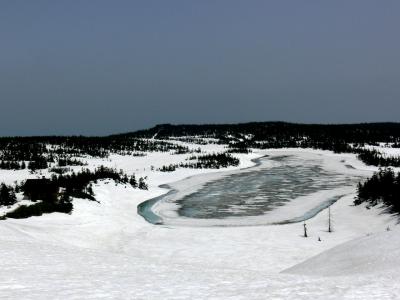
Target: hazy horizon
178	124
100	68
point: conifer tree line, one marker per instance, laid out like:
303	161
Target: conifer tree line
364	133
55	193
24	148
207	161
77	184
67	161
382	188
215	160
375	158
40	152
192	140
12	165
343	138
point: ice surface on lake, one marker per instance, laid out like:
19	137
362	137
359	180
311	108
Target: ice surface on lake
258	191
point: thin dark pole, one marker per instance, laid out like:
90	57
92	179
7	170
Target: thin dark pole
305	229
329	219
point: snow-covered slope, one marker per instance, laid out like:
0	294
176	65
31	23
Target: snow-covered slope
372	255
106	251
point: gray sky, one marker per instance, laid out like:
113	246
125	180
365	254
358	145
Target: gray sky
100	67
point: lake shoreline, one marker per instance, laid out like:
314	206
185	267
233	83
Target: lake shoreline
165	209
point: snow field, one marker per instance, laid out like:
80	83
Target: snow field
106	251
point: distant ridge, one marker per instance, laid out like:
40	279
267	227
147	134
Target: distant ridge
380	131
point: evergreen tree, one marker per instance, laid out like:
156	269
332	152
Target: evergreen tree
133	181
142	184
90	190
383	187
7	195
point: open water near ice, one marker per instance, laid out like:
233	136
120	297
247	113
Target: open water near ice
256	191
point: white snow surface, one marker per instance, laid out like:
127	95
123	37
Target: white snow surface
106	250
374	254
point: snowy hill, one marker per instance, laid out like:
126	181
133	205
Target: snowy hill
374	254
105	250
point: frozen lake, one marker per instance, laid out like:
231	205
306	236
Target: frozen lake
242	197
